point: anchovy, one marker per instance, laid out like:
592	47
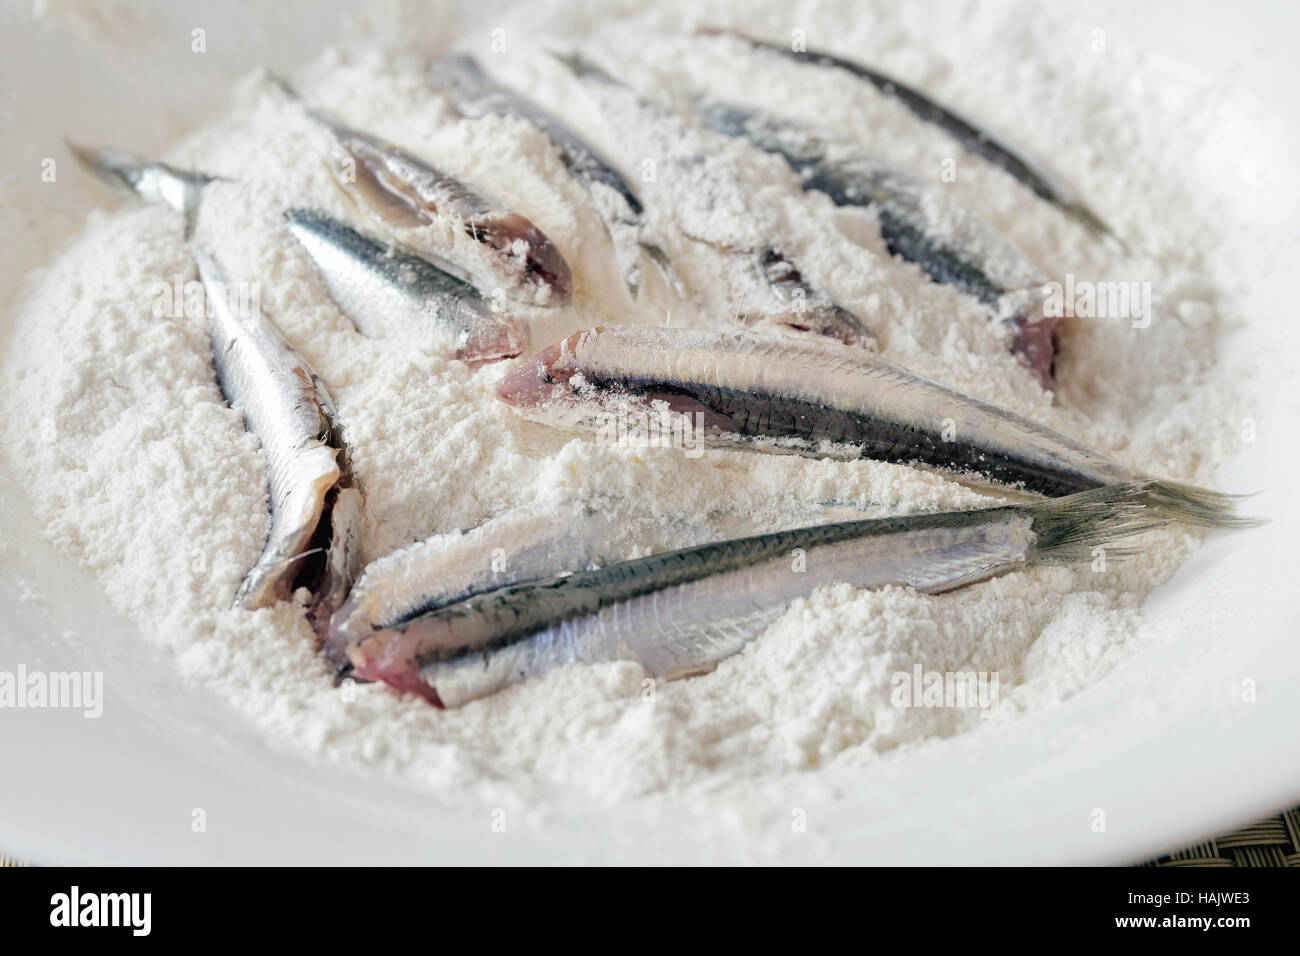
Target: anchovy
477	95
521	545
315	503
917	223
822	399
698	188
432	211
680	613
389	292
979	141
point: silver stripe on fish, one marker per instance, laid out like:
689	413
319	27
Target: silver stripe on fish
979	141
476	95
821	399
388	292
918	223
431	211
314	502
680	613
520	545
697	187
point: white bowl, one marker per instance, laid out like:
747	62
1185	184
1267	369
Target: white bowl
1165	745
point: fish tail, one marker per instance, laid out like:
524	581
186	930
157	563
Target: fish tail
152	181
1072	528
1197	506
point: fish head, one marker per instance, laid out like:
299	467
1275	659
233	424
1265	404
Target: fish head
391	657
542	380
491	342
1033	343
543	266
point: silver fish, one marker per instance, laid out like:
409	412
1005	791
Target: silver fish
697	188
979	141
477	95
521	545
822	399
389	292
525	544
433	212
679	613
917	222
315	504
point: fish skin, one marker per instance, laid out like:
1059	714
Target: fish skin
434	212
308	472
810	309
696	188
979	141
821	399
313	539
680	613
981	262
525	544
387	291
477	95
620	208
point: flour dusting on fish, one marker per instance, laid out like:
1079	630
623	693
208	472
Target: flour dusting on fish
314	503
388	292
979	141
822	399
431	211
680	613
476	95
765	284
917	223
313	539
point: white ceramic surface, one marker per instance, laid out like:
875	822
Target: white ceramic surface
1164	745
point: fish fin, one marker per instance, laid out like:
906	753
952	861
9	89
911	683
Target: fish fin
580	66
690	649
282	86
667	271
1197	506
1092	222
1069	529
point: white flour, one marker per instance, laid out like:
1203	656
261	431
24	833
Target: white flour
135	466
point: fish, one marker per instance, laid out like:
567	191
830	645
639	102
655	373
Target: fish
388	292
817	398
524	544
315	503
313	542
763	277
917	223
679	613
979	141
620	208
432	212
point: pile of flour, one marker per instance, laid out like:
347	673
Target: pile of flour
136	467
